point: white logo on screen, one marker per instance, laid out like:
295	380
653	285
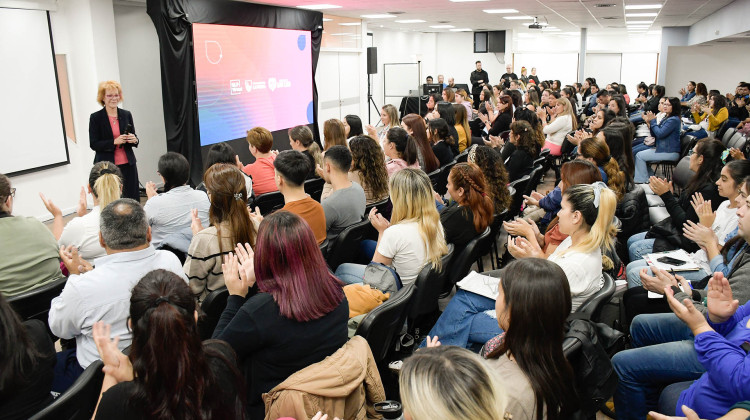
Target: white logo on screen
235	87
248	85
272	83
211	56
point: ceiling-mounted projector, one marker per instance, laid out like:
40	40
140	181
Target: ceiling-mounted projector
536	24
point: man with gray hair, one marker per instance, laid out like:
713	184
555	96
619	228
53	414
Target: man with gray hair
103	293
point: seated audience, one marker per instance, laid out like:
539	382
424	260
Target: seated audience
441	139
462	128
498	120
334	134
297	318
230	224
618	106
586	217
705	161
414	125
561	122
523	149
596	123
489	162
463	99
412	238
738	104
597	152
445	111
666	146
700	97
389	118
291	169
27	361
687	92
32	260
619	135
345	205
449	383
186	379
82	232
169	213
223	153
352	127
102	293
715	113
368	168
449	95
401	148
301	140
470	211
259	142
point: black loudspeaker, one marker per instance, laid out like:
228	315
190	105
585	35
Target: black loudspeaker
372	60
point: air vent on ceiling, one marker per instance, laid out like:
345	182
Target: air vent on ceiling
395	13
605	5
444	21
611	18
723	40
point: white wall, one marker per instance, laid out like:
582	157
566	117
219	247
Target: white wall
719	67
729	20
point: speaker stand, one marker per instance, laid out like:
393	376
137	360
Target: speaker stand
370	101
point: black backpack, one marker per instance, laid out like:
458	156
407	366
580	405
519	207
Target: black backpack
588	347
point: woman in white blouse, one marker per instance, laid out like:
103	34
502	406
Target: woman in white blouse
561	122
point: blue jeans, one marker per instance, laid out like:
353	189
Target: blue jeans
351	273
642	158
639	246
637	118
640	147
670	396
465	321
700	134
662	354
634	268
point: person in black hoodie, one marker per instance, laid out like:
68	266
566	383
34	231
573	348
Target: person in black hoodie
479	79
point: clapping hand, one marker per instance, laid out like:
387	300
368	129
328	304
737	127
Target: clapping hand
238	284
73	262
50	206
196	225
371	131
377	220
648	116
432	342
151	190
82	208
691	415
736	153
255	216
687	312
238	162
495	141
522	248
702	235
116	364
520	227
659	186
703	209
658	281
533	199
721	304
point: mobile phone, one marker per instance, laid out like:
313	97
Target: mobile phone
670	261
128	128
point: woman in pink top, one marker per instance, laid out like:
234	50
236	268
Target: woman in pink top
112	136
260	141
402	149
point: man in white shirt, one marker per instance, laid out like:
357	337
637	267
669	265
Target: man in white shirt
103	293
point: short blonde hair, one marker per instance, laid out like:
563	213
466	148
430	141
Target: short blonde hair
103	86
261	138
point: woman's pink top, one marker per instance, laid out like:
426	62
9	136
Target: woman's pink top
263	175
395	165
121	157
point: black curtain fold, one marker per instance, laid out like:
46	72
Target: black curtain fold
173	21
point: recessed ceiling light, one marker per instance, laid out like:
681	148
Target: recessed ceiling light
318	6
351	24
380	16
518	17
410	21
642	6
640	22
442	26
637	26
461	30
500	11
650	14
327	20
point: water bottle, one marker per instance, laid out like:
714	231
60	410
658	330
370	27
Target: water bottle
390	410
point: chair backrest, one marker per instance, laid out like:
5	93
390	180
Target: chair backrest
737	141
79	401
463	156
346	246
324	248
727	135
682	173
519	186
461	263
534	178
35	303
314	187
442	179
212	306
592	307
544	153
434	178
380	327
269	202
429	285
720	131
380	205
539	161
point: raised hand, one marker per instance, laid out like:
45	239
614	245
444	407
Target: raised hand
50	206
378	221
82	208
238	162
151	190
721	304
703	209
433	342
522	248
231	269
116	364
196	225
702	235
245	257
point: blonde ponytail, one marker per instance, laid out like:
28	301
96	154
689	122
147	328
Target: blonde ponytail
107	189
599	219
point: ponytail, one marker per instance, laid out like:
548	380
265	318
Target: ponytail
229	204
405	144
615	177
315	152
599	219
105	180
469	177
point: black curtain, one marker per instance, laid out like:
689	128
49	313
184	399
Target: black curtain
173	21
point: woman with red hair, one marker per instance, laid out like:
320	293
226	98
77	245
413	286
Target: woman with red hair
297	318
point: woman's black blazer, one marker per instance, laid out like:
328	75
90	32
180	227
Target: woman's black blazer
101	139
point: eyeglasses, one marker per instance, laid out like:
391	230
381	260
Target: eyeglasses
13	192
112	96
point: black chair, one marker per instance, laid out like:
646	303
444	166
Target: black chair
324	248
429	284
682	174
79	401
380	205
269	202
435	179
535	177
539	161
314	187
667	168
35	303
463	156
212	306
345	248
544	153
519	186
442	178
495	227
380	327
687	142
593	306
462	262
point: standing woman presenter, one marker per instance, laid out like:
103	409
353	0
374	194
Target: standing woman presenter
112	136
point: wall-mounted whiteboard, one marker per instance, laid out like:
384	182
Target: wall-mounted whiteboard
400	78
604	67
32	136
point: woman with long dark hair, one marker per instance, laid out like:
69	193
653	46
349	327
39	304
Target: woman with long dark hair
471	209
230	224
352	126
223	153
334	133
414	125
666	140
27	361
438	132
715	113
618	135
401	148
297	318
185	379
499	119
705	161
524	150
368	168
